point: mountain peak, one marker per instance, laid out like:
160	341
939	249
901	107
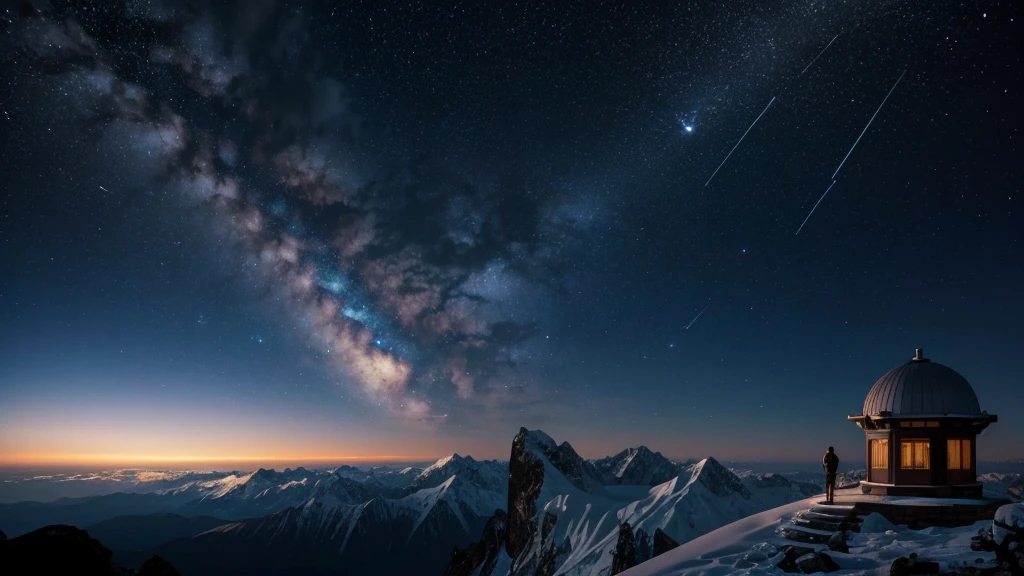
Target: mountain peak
538	439
638	466
717	478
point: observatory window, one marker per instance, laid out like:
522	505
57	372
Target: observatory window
879	454
958	454
915	455
932	424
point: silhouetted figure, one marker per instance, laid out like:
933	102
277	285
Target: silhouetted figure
831	464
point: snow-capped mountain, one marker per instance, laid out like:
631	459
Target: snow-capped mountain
562	520
334	530
637	466
490	475
254	494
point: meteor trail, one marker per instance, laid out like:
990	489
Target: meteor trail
819	54
695	317
815	207
738	141
104	189
869	124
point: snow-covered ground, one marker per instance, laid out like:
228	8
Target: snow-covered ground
745	546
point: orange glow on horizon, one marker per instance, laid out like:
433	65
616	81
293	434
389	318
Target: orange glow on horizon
57	459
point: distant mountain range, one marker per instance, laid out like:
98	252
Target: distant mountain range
544	511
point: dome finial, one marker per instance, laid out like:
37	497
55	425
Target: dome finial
919	355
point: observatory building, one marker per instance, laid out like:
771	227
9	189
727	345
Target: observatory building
922	420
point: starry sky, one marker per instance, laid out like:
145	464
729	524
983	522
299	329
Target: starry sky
393	230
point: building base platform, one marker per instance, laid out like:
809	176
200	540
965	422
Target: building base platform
920	511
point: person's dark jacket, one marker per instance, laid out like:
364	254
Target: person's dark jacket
831	463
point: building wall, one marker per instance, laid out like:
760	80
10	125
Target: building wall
938	473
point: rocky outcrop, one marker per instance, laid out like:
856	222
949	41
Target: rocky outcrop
549	553
624	557
663	542
525	479
1005	537
480	558
55	549
2	536
1008	524
644	552
61	549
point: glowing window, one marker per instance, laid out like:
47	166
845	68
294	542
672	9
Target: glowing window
958	454
932	424
915	455
879	454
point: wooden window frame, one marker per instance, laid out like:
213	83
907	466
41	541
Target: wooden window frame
879	455
962	452
925	453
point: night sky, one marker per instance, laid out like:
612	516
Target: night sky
254	230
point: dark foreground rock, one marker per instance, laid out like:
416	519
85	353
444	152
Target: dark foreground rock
63	549
663	542
480	558
624	557
908	566
803	560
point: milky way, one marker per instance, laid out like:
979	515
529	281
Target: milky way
347	245
370	218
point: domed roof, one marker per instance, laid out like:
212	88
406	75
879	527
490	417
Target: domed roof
922	388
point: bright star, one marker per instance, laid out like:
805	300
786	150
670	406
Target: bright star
688	128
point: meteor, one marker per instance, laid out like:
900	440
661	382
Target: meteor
868	125
695	317
815	207
738	141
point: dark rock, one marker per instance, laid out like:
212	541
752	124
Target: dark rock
525	479
904	566
55	550
788	556
828	563
157	566
663	542
546	566
624	556
483	554
815	562
643	546
2	536
837	542
900	567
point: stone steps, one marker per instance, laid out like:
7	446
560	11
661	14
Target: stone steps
816	524
819	523
804	534
824	517
834	508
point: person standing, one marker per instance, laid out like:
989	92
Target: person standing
831	464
